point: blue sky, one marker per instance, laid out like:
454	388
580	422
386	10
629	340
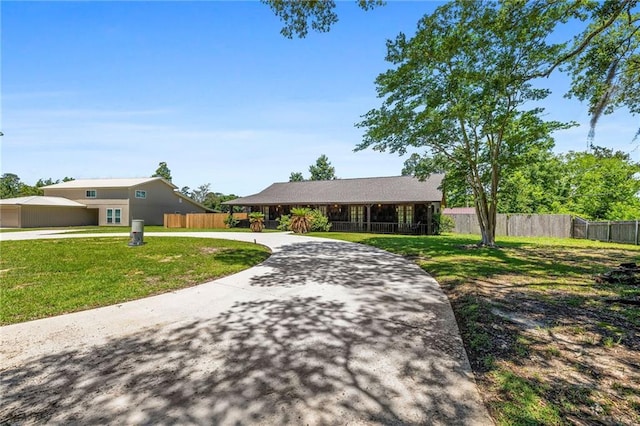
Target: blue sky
110	89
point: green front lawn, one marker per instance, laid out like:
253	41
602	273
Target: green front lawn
547	344
116	229
42	278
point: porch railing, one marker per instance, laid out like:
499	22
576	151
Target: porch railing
376	227
381	228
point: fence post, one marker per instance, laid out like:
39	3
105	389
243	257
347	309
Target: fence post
572	221
586	230
637	242
608	232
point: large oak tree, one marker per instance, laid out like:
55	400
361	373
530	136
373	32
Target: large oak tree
461	91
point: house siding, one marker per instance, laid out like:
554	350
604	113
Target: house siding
40	216
79	194
44	216
160	199
10	217
102	205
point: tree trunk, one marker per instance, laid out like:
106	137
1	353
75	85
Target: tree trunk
487	220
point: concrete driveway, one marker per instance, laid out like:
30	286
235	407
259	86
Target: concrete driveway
322	333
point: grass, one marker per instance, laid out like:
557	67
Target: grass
545	342
117	229
42	278
152	228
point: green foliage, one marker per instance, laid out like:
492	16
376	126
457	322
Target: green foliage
284	223
231	221
214	201
296	177
11	186
322	170
300	220
256	221
444	223
163	171
604	185
536	186
460	90
298	16
318	221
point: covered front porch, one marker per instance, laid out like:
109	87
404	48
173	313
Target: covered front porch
416	218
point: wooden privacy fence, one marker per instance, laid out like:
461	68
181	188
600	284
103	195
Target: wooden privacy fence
200	220
627	232
553	225
175	221
518	225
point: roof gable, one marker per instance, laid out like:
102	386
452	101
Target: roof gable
391	190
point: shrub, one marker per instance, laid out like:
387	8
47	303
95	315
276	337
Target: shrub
231	221
318	221
284	223
256	221
443	223
300	220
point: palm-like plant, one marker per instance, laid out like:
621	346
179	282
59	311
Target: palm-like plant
300	220
256	221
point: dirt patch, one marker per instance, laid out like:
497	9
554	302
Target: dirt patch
210	250
154	280
552	340
169	258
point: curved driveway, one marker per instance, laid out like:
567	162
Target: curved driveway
322	333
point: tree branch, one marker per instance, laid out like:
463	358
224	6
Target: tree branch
586	41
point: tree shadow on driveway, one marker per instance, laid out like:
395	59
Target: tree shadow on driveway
381	356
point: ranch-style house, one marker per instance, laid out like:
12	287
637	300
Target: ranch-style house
396	204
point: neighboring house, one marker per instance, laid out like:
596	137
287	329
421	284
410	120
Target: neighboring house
104	202
36	211
378	204
119	201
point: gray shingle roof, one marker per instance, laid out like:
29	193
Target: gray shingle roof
390	190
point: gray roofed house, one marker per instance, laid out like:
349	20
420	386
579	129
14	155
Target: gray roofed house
104	202
376	204
119	201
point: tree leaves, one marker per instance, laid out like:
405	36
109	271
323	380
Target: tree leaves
460	90
299	16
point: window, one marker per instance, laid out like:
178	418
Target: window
114	216
405	213
141	194
90	193
357	214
